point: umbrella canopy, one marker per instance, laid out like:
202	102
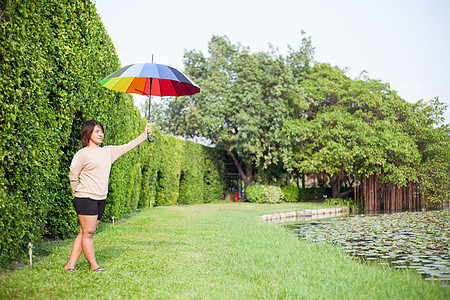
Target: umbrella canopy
150	79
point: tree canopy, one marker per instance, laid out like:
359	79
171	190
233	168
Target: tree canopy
351	128
293	113
242	106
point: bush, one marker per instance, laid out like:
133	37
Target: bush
312	193
264	194
291	193
295	194
352	204
255	194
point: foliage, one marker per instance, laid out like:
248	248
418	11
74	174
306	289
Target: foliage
243	104
348	202
185	173
361	127
291	193
295	194
433	142
175	171
255	193
52	56
314	193
275	114
264	194
274	174
47	87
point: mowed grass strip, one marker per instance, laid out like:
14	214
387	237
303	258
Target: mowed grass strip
213	251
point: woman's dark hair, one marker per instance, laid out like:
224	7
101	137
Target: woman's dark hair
86	131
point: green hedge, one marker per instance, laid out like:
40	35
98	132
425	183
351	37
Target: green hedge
52	56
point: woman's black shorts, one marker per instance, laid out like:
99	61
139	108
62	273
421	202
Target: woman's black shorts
90	207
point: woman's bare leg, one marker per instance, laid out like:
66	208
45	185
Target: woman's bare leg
76	252
88	226
84	242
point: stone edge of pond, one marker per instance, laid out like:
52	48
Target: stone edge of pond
307	213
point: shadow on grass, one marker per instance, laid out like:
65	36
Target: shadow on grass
109	253
40	251
102	255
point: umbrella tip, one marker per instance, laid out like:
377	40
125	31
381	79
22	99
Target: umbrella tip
152	58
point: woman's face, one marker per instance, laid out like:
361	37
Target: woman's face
96	136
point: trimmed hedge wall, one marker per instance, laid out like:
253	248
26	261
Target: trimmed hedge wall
52	56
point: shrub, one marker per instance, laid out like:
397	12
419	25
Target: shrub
255	194
291	193
312	193
264	194
352	204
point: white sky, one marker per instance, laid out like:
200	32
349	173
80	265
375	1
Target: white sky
403	42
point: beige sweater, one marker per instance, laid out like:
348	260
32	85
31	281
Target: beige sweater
90	168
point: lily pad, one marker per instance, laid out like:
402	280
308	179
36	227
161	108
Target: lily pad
417	241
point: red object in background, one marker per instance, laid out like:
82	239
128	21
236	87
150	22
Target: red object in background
236	196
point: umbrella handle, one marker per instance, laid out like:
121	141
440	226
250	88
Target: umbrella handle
148	134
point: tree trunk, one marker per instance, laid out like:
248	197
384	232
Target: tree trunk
335	186
246	173
288	178
248	180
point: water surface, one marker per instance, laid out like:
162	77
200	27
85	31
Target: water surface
418	241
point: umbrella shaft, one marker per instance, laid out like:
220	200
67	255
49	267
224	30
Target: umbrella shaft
150	100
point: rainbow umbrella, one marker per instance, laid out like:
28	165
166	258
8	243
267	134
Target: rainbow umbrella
150	79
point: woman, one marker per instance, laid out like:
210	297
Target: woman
89	175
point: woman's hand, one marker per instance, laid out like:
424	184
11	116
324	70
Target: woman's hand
148	129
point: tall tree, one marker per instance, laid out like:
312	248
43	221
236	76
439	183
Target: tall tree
301	60
351	127
242	106
432	138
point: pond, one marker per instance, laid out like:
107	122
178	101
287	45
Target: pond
418	240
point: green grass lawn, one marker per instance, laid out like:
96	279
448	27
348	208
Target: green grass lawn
211	251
